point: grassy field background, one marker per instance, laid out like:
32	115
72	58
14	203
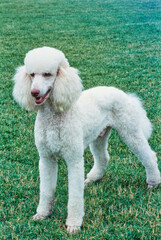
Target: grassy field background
113	43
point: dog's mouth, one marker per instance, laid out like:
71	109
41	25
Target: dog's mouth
41	99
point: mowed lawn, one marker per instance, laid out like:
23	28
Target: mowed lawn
113	43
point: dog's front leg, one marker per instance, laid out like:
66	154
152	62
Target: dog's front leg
76	195
48	179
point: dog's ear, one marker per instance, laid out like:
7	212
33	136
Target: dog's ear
67	87
22	89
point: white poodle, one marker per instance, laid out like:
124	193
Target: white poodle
68	120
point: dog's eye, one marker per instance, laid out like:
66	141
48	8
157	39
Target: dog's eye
32	75
47	74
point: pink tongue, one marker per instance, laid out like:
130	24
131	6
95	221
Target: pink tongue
40	100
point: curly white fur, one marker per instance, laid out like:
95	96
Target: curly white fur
68	121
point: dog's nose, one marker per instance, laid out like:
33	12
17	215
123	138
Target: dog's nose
35	92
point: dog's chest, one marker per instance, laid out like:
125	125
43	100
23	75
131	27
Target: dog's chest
48	135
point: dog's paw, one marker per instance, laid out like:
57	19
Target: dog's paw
152	183
87	182
152	186
73	229
38	217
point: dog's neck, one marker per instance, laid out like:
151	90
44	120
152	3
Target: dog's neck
48	108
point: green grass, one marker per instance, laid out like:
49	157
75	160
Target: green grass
112	43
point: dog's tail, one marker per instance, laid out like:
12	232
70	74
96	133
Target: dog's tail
145	123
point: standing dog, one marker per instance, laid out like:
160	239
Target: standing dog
68	120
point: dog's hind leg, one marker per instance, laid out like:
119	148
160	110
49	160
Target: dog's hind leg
139	145
101	156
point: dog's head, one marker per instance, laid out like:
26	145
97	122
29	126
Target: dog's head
46	75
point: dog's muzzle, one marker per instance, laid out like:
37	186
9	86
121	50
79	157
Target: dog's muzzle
41	99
